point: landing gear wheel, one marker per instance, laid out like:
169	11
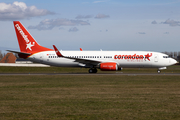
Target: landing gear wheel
90	70
93	70
159	71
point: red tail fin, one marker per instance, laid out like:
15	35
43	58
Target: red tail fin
26	42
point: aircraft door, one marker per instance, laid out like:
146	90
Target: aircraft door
156	58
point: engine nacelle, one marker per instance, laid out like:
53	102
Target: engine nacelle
109	66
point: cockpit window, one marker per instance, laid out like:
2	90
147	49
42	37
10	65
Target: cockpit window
166	57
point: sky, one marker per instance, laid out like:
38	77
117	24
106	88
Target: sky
113	25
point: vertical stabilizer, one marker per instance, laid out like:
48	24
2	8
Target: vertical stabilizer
26	42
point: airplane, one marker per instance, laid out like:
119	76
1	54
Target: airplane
103	60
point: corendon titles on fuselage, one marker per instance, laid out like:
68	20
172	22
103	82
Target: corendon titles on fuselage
133	57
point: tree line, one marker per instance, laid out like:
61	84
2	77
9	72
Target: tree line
1	55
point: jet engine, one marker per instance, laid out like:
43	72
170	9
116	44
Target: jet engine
109	66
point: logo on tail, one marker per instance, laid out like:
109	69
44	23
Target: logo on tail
28	43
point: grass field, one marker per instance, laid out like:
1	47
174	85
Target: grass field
171	69
90	97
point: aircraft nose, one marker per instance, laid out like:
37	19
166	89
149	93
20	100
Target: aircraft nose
173	61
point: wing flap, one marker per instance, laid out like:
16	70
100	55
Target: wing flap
86	61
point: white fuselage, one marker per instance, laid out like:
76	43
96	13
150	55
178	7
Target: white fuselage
124	59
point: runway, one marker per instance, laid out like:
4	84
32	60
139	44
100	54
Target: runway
86	74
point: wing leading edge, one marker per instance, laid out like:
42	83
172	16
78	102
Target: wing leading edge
83	61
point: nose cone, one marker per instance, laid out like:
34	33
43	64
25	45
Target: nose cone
173	61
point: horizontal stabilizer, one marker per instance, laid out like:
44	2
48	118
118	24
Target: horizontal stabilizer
23	53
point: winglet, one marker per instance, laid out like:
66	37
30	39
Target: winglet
57	52
81	49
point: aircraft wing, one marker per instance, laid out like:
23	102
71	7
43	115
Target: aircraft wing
83	61
23	53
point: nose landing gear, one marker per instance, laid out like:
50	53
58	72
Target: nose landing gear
162	68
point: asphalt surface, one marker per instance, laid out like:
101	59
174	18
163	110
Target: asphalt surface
128	74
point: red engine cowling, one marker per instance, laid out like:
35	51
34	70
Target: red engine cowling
110	66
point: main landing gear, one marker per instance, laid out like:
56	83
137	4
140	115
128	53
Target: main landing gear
93	70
